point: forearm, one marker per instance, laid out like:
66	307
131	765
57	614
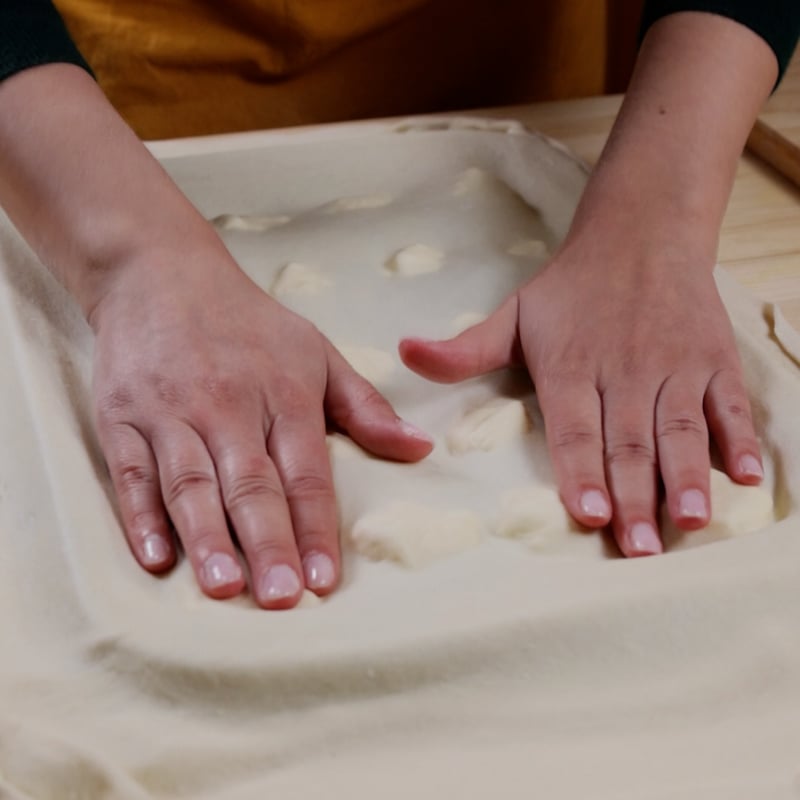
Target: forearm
80	187
670	161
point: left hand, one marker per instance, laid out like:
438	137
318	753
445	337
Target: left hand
635	364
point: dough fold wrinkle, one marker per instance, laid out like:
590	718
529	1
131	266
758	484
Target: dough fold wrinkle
481	644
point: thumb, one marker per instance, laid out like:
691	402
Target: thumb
485	347
361	411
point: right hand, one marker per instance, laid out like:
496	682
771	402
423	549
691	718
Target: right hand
211	401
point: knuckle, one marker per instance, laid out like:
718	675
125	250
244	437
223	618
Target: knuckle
114	401
367	398
631	363
169	393
251	486
132	477
681	424
187	480
565	376
371	399
736	408
293	395
145	521
630	450
221	390
570	436
271	550
571	376
309	486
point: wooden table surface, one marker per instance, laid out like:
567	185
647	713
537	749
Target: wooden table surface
782	112
760	240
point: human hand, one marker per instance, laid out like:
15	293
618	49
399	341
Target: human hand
211	401
634	364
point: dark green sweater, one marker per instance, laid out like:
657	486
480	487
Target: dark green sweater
32	32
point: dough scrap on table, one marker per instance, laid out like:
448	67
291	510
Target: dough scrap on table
471	180
414	535
536	515
418	259
370	363
358	203
785	333
466	320
250	222
735	510
528	248
297	278
495	423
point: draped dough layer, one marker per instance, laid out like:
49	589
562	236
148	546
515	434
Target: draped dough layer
481	645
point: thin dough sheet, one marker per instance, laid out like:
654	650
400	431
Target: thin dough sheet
481	644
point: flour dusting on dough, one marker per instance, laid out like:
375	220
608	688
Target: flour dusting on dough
735	510
250	222
492	425
358	203
370	363
296	278
413	535
418	259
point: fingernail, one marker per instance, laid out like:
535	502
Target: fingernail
319	571
693	505
644	539
279	582
155	549
594	504
414	432
749	465
221	570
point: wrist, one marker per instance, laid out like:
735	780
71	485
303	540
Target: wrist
144	268
623	225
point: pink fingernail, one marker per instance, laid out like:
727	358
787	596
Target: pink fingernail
644	540
220	569
319	571
693	505
155	549
750	466
595	504
414	432
279	583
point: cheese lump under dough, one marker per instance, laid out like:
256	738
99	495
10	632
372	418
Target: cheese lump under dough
493	424
413	534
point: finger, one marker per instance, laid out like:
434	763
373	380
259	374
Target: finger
297	446
485	347
682	451
256	504
191	493
631	469
354	405
727	409
134	474
574	427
